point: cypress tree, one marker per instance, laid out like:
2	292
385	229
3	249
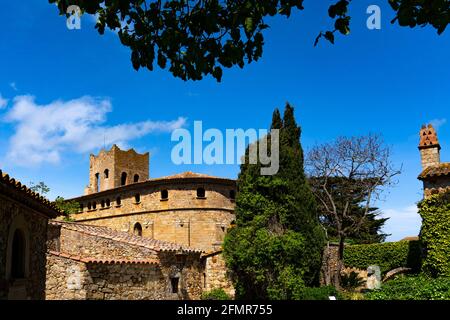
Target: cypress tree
275	249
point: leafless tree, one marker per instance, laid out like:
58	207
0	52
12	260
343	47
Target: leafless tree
361	167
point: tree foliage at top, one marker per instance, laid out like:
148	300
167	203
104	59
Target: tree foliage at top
194	38
274	251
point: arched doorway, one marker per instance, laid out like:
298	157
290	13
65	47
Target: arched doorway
18	255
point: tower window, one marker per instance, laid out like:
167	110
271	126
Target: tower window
94	205
106	173
136	178
123	179
97	182
201	193
174	283
118	201
108	203
137	198
164	194
103	203
232	194
18	255
89	206
137	229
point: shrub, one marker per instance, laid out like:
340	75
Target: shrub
387	256
215	294
412	288
435	234
351	281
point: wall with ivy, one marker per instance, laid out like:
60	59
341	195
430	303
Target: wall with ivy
435	234
387	255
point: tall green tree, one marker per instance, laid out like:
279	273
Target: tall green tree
274	251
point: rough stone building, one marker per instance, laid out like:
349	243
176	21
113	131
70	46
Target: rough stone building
24	217
190	209
92	262
435	174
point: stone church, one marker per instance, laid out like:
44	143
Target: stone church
189	210
435	174
133	237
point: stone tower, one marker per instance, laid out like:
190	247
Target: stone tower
115	168
429	147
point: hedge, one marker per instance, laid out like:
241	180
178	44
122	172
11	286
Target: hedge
412	288
387	255
435	234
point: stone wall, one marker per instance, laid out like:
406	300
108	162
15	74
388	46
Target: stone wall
216	274
33	224
430	156
182	218
71	279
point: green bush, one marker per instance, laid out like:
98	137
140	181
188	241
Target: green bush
435	234
412	288
387	256
215	294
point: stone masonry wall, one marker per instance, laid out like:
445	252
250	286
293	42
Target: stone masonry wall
433	186
34	226
68	279
429	156
183	218
216	275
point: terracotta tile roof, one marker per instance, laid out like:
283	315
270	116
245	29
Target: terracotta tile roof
108	233
102	261
185	175
27	192
411	238
442	169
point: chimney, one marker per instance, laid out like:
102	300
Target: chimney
429	147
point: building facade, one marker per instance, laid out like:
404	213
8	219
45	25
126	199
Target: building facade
24	217
435	174
190	209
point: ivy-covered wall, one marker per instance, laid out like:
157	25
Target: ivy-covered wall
387	255
435	234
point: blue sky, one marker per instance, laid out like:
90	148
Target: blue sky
54	81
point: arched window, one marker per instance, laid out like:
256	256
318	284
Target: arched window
123	179
106	173
118	201
97	182
81	207
174	283
108	203
201	193
18	255
137	198
164	194
103	203
232	194
136	178
137	229
94	205
89	206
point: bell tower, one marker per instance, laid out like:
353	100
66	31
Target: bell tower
115	168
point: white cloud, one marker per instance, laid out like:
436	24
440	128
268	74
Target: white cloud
13	86
3	102
403	222
44	132
437	123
